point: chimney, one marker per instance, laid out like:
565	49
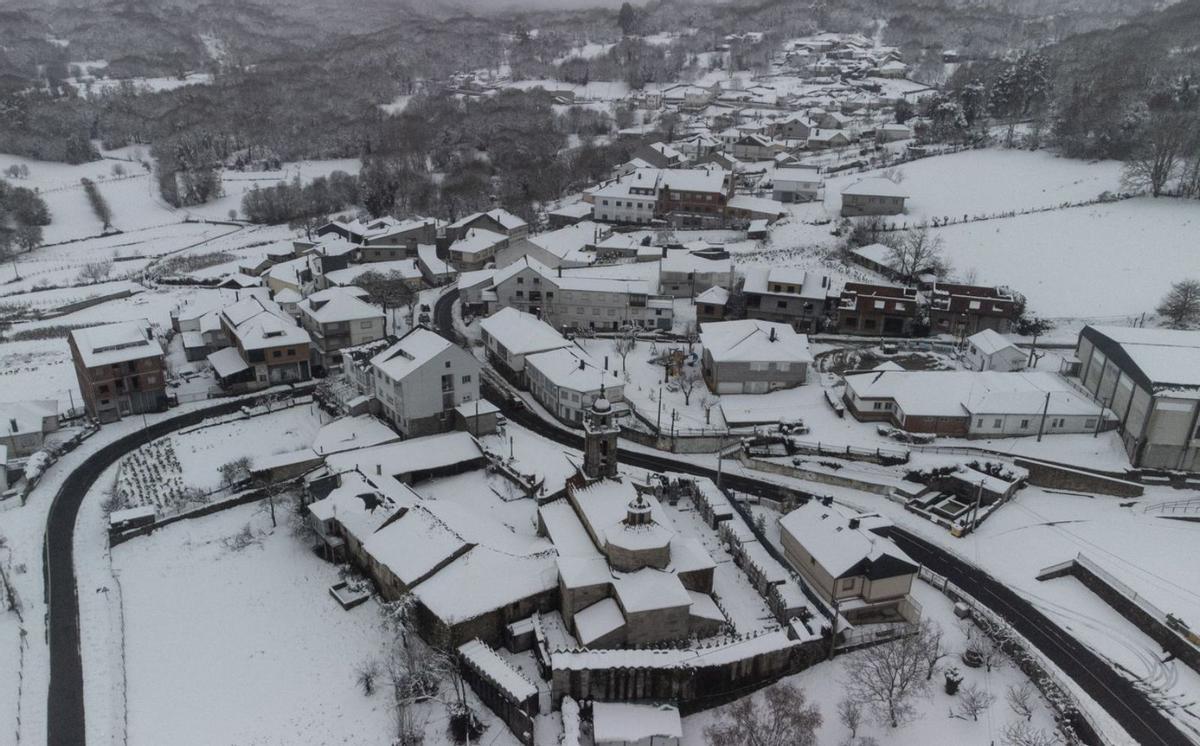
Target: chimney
854	523
582	365
606	362
379	470
772	337
13	422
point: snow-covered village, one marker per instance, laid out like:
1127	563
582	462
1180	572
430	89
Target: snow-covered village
532	373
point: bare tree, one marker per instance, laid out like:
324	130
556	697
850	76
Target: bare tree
933	650
850	713
625	344
1181	305
1021	699
708	402
887	678
781	717
464	723
234	471
408	730
917	251
1024	734
688	379
973	702
1160	153
96	271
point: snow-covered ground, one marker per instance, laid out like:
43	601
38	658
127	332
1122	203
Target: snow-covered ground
986	182
823	686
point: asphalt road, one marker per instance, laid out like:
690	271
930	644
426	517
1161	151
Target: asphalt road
1124	702
65	709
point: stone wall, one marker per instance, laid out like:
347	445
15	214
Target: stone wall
1057	476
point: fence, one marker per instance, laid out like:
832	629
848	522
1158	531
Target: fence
853	453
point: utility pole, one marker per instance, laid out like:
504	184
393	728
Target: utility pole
1042	424
1033	356
833	627
978	500
658	421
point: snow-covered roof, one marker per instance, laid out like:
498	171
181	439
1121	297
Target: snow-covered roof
599	619
649	589
877	252
338	304
715	295
406	268
484	580
824	532
626	722
955	393
20	417
683	262
802	283
226	362
412	351
488	662
990	341
259	323
407	456
712	180
875	187
435	265
573	369
1165	358
522	333
504	218
415	545
800	175
115	343
754	340
477	241
574	210
568	243
478	277
756	204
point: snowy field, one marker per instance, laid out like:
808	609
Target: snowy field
984	182
258	651
1112	260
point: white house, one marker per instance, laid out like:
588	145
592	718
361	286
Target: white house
339	317
749	356
421	379
989	350
509	335
796	184
567	380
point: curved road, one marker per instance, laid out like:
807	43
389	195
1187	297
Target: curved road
1123	701
65	711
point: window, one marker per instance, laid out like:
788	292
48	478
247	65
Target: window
1089	423
365	324
1024	424
276	353
781	304
102	388
979	422
466	379
447	363
847	584
520	280
520	293
997	423
877	405
783	367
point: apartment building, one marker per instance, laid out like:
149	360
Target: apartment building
567	380
419	380
268	347
877	310
336	318
791	296
571	301
120	369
